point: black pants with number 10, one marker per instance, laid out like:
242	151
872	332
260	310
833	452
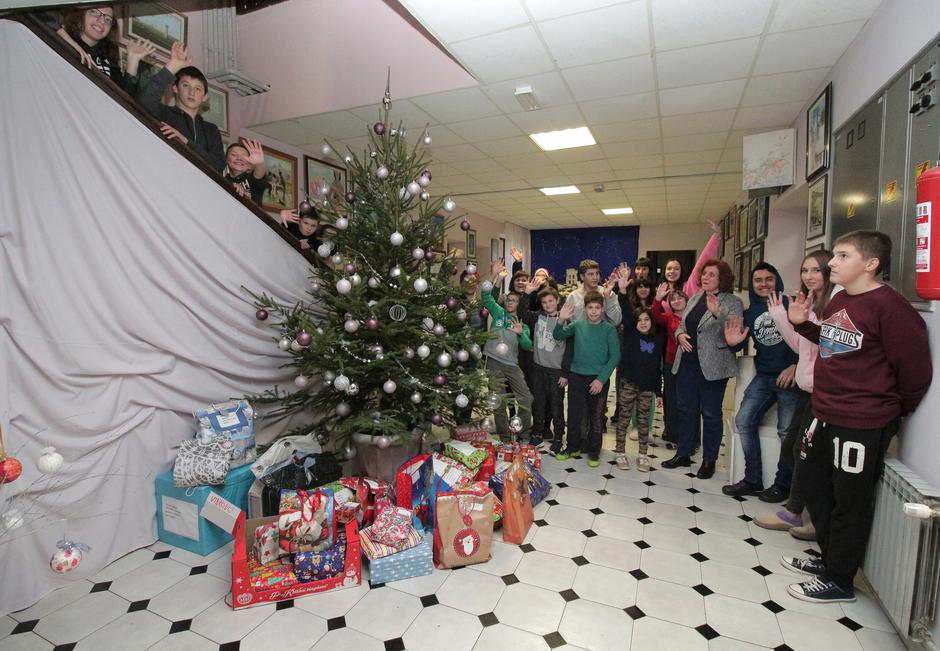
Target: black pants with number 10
842	465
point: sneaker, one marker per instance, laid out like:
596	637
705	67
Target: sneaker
643	463
782	520
743	487
805	532
671	446
774	495
535	440
593	461
622	461
555	448
810	566
566	454
820	591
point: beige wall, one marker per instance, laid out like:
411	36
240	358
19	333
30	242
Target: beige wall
669	237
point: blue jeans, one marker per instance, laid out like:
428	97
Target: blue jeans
759	396
698	398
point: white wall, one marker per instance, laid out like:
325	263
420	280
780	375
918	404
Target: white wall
669	237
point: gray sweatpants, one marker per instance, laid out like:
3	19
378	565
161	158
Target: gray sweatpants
513	375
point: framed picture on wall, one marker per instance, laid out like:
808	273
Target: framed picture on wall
282	180
757	254
763	215
742	226
752	221
738	269
816	212
215	108
745	271
156	23
494	249
471	244
818	131
815	247
320	174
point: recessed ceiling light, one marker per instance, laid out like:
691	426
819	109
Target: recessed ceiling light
617	211
561	189
564	139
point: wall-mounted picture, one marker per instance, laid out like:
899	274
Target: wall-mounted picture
815	247
321	175
157	23
738	269
494	249
215	108
471	244
818	129
742	226
745	271
752	221
763	215
282	179
757	254
816	211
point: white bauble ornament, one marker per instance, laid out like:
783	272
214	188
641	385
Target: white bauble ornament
383	442
416	397
420	284
395	271
443	360
351	325
423	180
423	351
396	238
426	140
515	424
342	223
487	424
314	286
417	253
12	519
449	205
462	314
409	352
49	461
438	330
296	347
486	286
427	323
374	282
414	188
324	250
343	286
389	386
66	558
356	279
471	268
336	259
300	382
284	343
343	409
462	355
341	383
329	376
475	350
350	451
461	400
352	389
382	172
502	348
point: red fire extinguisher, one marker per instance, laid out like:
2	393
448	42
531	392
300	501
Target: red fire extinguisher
927	235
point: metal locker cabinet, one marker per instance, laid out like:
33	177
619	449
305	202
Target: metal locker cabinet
856	157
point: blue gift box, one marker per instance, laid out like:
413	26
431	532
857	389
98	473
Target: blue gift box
413	562
178	520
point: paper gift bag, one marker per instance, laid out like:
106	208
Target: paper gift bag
414	489
539	487
463	528
517	505
482	488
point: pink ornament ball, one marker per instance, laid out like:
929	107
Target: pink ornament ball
426	173
452	303
261	315
379	128
350	268
372	323
304	338
440	380
465	225
484	313
436	419
350	196
429	254
304	208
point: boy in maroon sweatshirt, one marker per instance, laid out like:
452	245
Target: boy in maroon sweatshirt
873	369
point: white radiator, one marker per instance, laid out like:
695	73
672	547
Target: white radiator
902	561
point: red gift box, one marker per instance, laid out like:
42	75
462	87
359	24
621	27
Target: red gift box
507	451
488	467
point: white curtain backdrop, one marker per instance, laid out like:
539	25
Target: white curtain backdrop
121	311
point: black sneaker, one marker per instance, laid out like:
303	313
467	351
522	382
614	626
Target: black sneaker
742	488
774	495
809	566
535	440
820	591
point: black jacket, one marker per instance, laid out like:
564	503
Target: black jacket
204	137
251	183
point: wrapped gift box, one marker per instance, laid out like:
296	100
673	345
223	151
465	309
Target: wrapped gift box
178	520
410	563
506	452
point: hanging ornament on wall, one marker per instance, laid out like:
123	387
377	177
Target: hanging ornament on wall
49	461
284	343
68	556
261	315
397	312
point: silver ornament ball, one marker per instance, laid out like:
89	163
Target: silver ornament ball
439	330
389	386
342	223
486	286
300	382
420	284
502	348
396	238
461	400
449	205
352	389
324	250
417	253
462	355
343	409
416	397
351	326
395	271
284	343
341	383
515	424
443	360
374	282
423	351
343	286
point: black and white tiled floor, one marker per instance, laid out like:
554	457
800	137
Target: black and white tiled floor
616	560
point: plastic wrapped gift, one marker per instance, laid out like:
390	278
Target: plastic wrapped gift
372	549
316	566
407	564
266	548
465	453
506	452
276	576
312	526
392	526
231	421
538	485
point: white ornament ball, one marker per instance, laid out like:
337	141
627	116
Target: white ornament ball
336	259
350	451
343	286
486	286
351	326
389	386
427	323
475	350
410	352
65	560
341	383
471	268
439	330
423	180
425	195
403	193
420	284
502	348
343	409
383	442
423	351
515	424
325	149
396	238
417	253
462	314
356	279
416	397
374	282
449	205
443	360
414	188
395	271
49	461
462	355
461	400
342	223
347	158
324	250
382	172
284	343
12	519
294	346
300	382
427	139
314	286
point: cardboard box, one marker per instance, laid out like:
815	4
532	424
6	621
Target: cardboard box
410	563
178	520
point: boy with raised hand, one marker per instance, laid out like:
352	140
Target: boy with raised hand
590	274
245	170
596	354
183	122
873	369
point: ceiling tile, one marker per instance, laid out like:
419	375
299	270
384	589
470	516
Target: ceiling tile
475	166
639	173
497	126
549	119
457	153
707	122
338	124
633	162
733	166
610	79
626	131
625	108
291	131
706	63
591	167
548	9
507	55
606	34
784	87
806	48
768	117
688	157
633	148
591	152
457	105
403	111
799	14
696	142
696	169
442	136
704	97
732	154
516	146
683	23
549	90
448	20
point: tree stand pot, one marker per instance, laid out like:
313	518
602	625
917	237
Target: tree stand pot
383	463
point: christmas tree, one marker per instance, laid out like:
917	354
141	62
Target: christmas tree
381	345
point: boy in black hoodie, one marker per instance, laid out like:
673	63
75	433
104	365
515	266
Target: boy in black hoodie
773	382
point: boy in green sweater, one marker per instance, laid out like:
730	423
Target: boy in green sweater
509	334
596	354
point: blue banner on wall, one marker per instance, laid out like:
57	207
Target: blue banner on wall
564	248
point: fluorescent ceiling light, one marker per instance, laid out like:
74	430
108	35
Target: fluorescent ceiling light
561	189
526	98
564	139
617	211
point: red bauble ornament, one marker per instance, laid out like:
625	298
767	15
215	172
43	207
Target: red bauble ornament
10	470
261	315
